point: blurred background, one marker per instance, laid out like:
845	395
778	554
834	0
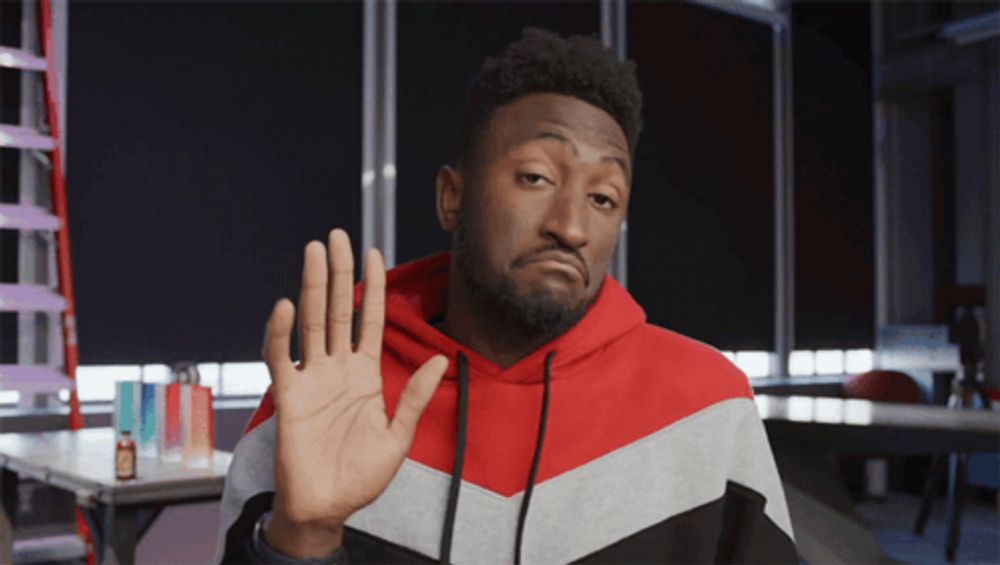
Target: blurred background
816	194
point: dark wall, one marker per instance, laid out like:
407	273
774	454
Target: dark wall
701	226
834	201
441	46
207	144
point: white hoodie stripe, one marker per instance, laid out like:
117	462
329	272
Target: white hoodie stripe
676	469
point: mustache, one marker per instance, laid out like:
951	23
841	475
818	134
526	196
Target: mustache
529	257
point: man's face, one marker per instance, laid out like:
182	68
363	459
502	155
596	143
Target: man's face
540	216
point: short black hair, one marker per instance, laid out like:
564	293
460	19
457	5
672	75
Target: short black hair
541	61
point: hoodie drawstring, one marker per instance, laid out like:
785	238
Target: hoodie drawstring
539	439
456	473
456	470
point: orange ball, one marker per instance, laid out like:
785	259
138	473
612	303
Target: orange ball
883	386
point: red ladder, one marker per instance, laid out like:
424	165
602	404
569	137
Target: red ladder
33	296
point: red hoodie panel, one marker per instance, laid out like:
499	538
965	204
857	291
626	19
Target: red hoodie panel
624	394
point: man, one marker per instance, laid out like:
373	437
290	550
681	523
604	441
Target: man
544	420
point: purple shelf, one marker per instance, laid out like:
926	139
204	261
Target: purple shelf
29	379
17	217
29	298
18	137
11	58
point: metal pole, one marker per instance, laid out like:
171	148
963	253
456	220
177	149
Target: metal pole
388	133
613	35
880	135
33	256
378	130
60	41
991	143
369	126
784	202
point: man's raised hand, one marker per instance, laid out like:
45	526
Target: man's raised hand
336	450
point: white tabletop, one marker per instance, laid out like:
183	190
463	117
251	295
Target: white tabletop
83	462
879	427
858	412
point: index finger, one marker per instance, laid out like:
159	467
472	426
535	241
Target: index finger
277	339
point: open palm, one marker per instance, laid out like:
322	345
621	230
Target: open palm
336	448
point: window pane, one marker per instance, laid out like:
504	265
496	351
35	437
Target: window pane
829	362
209	373
754	363
802	363
243	379
96	383
858	360
159	374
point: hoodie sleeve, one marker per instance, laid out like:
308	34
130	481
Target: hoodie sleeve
755	525
249	486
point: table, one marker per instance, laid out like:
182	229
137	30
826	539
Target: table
82	462
804	429
879	427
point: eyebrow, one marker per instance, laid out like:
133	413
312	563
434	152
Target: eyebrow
548	134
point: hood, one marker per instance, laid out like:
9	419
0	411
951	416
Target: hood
416	291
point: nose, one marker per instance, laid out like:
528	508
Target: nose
566	218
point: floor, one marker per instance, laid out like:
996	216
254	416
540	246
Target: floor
892	522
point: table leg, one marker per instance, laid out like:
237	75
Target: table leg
935	475
121	528
8	513
147	516
957	478
124	529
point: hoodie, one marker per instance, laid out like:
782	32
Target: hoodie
617	441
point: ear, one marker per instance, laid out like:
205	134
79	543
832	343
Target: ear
449	186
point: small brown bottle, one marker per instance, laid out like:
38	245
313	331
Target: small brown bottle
125	458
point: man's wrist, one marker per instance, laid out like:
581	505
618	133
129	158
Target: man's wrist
300	541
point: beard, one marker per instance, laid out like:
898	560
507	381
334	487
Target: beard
535	316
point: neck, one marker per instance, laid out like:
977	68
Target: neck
482	329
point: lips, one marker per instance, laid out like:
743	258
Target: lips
563	258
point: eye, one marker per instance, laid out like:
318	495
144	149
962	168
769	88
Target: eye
603	201
531	179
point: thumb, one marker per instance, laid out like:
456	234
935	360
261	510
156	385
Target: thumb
416	395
